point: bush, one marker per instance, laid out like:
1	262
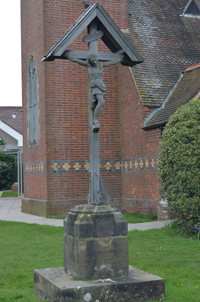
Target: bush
6	176
7	171
179	164
9	159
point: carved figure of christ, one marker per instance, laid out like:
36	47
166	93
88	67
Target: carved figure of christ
97	88
97	92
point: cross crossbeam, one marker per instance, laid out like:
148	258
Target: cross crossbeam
83	55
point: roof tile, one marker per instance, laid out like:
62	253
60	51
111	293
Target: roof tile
168	42
6	116
186	89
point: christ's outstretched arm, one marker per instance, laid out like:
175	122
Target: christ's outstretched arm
78	61
113	62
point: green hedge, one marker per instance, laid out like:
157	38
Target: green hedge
7	171
179	164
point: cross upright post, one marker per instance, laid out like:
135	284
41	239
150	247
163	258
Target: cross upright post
97	194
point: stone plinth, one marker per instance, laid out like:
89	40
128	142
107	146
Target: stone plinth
55	284
95	244
96	248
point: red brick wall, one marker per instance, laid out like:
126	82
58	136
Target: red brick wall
35	182
140	186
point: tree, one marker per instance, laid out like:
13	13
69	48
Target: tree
179	164
1	142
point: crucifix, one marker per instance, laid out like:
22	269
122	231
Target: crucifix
95	242
97	92
100	26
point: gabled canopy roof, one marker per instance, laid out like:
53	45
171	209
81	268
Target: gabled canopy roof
113	37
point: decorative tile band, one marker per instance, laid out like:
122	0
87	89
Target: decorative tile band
38	167
83	166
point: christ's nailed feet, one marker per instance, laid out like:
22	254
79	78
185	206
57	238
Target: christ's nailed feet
95	126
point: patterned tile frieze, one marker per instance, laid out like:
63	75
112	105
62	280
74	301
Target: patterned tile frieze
83	166
35	167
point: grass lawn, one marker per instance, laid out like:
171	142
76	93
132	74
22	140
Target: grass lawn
173	258
25	247
139	217
9	194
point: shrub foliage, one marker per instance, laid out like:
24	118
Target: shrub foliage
179	164
7	171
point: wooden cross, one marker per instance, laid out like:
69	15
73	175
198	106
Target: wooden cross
97	194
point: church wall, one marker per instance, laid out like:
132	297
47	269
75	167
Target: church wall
140	185
35	180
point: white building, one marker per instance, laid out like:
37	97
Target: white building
11	132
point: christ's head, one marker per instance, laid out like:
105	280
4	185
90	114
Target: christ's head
93	59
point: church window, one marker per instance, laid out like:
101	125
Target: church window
33	102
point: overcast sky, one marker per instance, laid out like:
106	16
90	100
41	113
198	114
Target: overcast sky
10	53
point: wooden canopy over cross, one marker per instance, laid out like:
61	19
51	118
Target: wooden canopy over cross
100	26
106	30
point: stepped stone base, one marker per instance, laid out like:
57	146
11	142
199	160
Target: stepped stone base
56	285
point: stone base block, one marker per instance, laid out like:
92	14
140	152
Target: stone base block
102	257
56	285
95	242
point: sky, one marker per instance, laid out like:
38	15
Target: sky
10	53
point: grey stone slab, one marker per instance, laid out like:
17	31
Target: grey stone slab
57	286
